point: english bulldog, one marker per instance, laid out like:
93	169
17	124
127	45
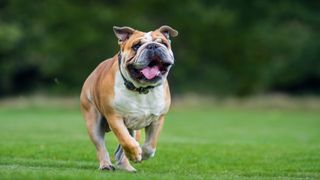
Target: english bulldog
129	92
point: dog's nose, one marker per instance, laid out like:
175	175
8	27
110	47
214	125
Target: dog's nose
152	46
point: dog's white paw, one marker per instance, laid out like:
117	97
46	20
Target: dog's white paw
108	167
126	167
147	152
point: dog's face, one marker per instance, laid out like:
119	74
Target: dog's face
146	58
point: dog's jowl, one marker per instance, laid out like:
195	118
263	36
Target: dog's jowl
129	92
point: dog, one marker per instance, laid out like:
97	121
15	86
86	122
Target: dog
129	92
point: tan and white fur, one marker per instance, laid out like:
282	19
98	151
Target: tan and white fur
108	105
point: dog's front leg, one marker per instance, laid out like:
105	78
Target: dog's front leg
152	133
130	145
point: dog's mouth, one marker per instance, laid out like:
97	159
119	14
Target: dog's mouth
153	71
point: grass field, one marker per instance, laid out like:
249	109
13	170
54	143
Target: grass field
197	142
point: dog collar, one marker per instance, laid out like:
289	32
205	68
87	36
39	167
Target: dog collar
129	85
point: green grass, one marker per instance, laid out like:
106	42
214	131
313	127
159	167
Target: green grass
196	143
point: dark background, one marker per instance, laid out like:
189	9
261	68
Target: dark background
224	48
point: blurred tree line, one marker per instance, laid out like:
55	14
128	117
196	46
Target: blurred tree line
224	47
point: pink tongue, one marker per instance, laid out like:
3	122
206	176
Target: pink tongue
150	72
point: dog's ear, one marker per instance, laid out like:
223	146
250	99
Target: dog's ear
123	33
168	32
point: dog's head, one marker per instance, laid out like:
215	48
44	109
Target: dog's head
146	58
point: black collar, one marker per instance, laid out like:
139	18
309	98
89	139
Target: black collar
130	85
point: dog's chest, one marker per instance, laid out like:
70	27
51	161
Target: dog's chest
138	110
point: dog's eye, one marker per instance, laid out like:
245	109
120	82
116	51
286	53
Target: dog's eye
165	44
136	47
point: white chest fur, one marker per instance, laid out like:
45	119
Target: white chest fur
138	110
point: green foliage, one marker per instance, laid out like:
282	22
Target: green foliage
224	47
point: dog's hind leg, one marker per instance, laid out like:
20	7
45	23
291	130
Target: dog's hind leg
122	162
137	135
97	126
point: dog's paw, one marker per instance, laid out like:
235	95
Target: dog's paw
133	152
126	167
147	152
107	167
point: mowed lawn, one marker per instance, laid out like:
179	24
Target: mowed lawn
197	142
